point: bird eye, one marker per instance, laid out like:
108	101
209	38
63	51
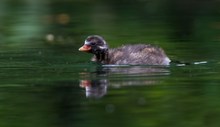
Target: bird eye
92	43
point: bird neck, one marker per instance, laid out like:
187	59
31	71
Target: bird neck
102	57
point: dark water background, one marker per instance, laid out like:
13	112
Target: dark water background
46	82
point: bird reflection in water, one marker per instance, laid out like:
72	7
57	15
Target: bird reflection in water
96	84
94	88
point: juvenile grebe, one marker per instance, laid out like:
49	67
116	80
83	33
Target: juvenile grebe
139	54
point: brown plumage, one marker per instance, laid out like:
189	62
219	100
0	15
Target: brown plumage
139	54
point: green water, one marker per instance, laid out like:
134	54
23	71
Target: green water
45	81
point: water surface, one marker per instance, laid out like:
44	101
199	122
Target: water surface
43	90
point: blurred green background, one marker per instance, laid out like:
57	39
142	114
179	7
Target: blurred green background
174	24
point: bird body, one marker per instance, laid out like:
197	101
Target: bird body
138	54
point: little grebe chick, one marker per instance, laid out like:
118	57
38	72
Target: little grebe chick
139	54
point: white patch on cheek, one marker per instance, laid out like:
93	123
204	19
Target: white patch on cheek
102	47
86	42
